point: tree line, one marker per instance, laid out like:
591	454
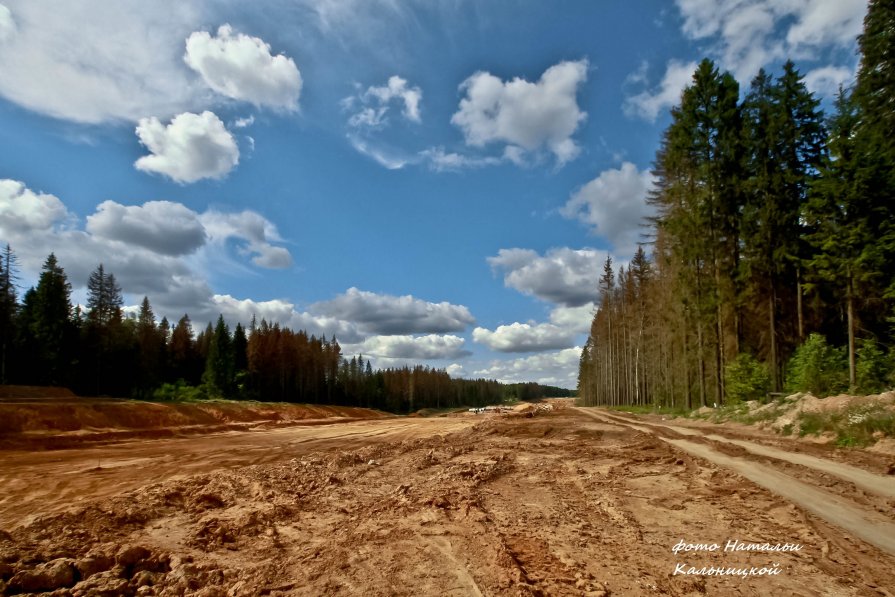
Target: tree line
773	244
101	351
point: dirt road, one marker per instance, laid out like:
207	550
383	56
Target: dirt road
571	502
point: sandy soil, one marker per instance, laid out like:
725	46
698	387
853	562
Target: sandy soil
567	502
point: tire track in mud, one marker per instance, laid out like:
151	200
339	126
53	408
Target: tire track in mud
865	524
879	484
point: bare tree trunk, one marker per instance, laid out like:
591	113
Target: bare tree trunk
851	334
772	332
799	305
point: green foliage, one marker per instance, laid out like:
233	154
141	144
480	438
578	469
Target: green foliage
874	367
746	379
180	391
818	368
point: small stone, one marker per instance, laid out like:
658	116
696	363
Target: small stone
91	565
144	578
129	555
57	574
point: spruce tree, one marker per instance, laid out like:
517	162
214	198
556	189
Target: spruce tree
48	323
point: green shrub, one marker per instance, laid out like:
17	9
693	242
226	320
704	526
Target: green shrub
818	368
180	391
873	367
746	379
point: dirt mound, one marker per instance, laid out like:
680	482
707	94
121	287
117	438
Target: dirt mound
34	392
45	416
788	412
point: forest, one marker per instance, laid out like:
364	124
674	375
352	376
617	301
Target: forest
771	264
98	351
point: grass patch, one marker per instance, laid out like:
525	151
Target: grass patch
854	427
649	409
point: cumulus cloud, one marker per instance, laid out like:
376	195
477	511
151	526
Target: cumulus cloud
7	24
574	319
130	241
409	347
456	370
24	211
564	276
648	104
102	61
524	337
553	368
614	204
192	147
827	80
523	115
280	311
372	106
160	226
744	29
241	67
256	232
387	314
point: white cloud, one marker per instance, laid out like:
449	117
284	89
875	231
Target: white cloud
825	81
524	337
575	319
96	62
554	368
440	161
523	115
564	276
822	22
241	123
456	370
24	211
254	229
192	147
7	24
130	242
614	204
649	103
428	347
381	156
387	314
241	67
373	104
744	30
160	226
280	311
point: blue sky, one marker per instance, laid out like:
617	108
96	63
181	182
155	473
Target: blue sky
432	181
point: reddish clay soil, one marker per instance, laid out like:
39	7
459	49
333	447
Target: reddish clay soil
566	502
